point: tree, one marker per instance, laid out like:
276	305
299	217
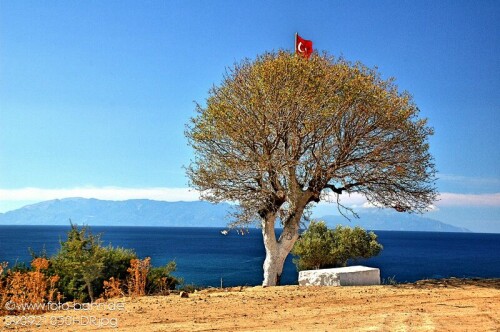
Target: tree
281	133
320	247
84	264
80	262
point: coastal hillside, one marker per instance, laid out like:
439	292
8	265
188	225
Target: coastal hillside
143	212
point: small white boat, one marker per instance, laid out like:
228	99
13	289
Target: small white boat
224	232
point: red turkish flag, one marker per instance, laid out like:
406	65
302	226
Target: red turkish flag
303	47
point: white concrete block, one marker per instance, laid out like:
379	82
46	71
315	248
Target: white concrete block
343	276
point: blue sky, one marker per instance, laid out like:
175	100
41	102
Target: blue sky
94	95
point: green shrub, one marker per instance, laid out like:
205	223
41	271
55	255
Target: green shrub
79	263
320	247
83	264
20	267
160	280
116	261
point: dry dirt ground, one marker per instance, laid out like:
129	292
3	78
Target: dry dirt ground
445	305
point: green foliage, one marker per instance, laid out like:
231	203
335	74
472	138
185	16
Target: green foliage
116	261
320	247
79	263
83	264
20	267
160	280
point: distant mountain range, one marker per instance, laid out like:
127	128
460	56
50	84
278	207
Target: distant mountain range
136	212
143	212
393	221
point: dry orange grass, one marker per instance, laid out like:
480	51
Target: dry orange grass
138	276
26	291
113	288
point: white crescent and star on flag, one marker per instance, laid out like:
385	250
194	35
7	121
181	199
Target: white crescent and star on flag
303	46
299	48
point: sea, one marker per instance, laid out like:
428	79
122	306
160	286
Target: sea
205	257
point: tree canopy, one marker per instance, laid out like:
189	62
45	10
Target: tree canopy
320	247
281	132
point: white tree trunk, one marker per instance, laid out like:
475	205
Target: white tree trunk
273	266
276	251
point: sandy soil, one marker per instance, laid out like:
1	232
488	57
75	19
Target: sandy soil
446	305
